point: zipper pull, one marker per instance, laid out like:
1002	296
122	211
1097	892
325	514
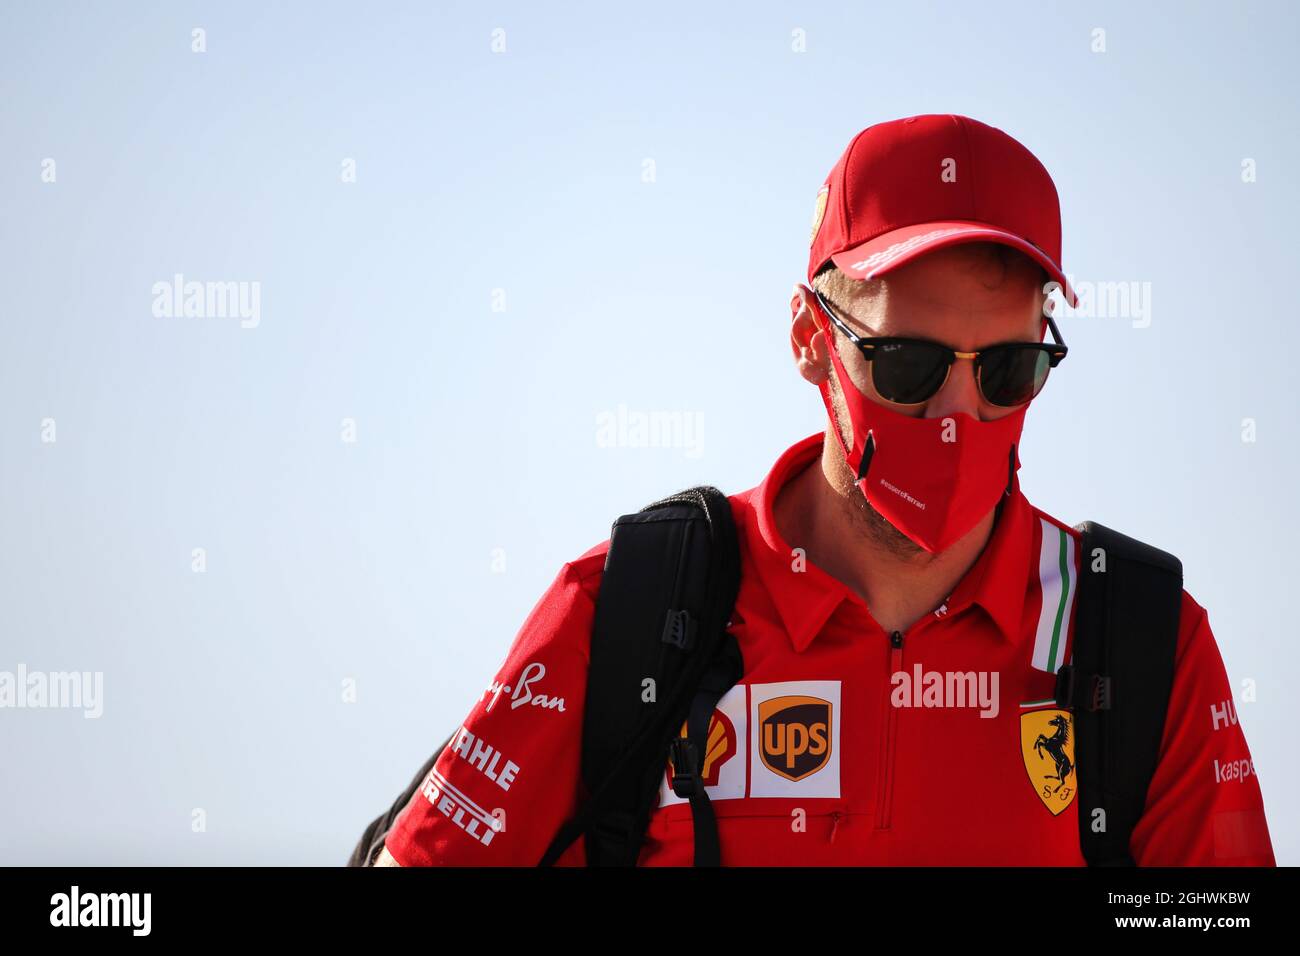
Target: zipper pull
895	652
835	825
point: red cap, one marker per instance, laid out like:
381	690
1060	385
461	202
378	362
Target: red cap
910	186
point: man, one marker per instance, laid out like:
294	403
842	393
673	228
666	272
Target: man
903	609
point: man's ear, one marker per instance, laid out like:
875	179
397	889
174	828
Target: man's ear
808	342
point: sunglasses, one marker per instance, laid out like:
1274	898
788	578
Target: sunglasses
911	371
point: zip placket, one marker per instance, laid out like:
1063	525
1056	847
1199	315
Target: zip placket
885	783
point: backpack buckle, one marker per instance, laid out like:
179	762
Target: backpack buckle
1065	687
686	767
1098	689
679	629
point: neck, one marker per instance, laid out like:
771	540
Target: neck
822	511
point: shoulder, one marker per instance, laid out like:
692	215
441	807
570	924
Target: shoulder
563	614
1196	640
1193	618
1194	635
584	571
1042	520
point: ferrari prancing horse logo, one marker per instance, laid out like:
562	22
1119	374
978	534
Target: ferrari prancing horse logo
1047	744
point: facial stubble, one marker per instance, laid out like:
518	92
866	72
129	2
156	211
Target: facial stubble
858	511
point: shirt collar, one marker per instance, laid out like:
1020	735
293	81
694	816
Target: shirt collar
805	596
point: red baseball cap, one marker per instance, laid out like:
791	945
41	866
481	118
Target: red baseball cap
910	186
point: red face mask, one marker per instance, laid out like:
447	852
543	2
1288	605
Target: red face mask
931	478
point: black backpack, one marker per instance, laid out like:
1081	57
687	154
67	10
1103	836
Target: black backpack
661	656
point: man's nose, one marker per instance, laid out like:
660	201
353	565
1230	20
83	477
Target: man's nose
960	393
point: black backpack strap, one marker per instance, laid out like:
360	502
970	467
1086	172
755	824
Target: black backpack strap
686	751
1118	682
666	596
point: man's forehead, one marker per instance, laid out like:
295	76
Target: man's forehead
953	305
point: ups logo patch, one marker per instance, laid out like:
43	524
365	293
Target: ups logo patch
794	729
794	735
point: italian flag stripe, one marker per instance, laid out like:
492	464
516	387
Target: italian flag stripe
1057	584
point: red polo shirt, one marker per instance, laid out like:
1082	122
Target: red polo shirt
843	744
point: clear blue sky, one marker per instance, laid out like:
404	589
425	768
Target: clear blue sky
476	429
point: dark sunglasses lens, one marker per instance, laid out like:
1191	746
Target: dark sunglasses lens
1011	375
908	372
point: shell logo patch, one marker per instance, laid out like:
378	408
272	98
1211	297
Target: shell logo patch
724	761
1047	746
819	212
